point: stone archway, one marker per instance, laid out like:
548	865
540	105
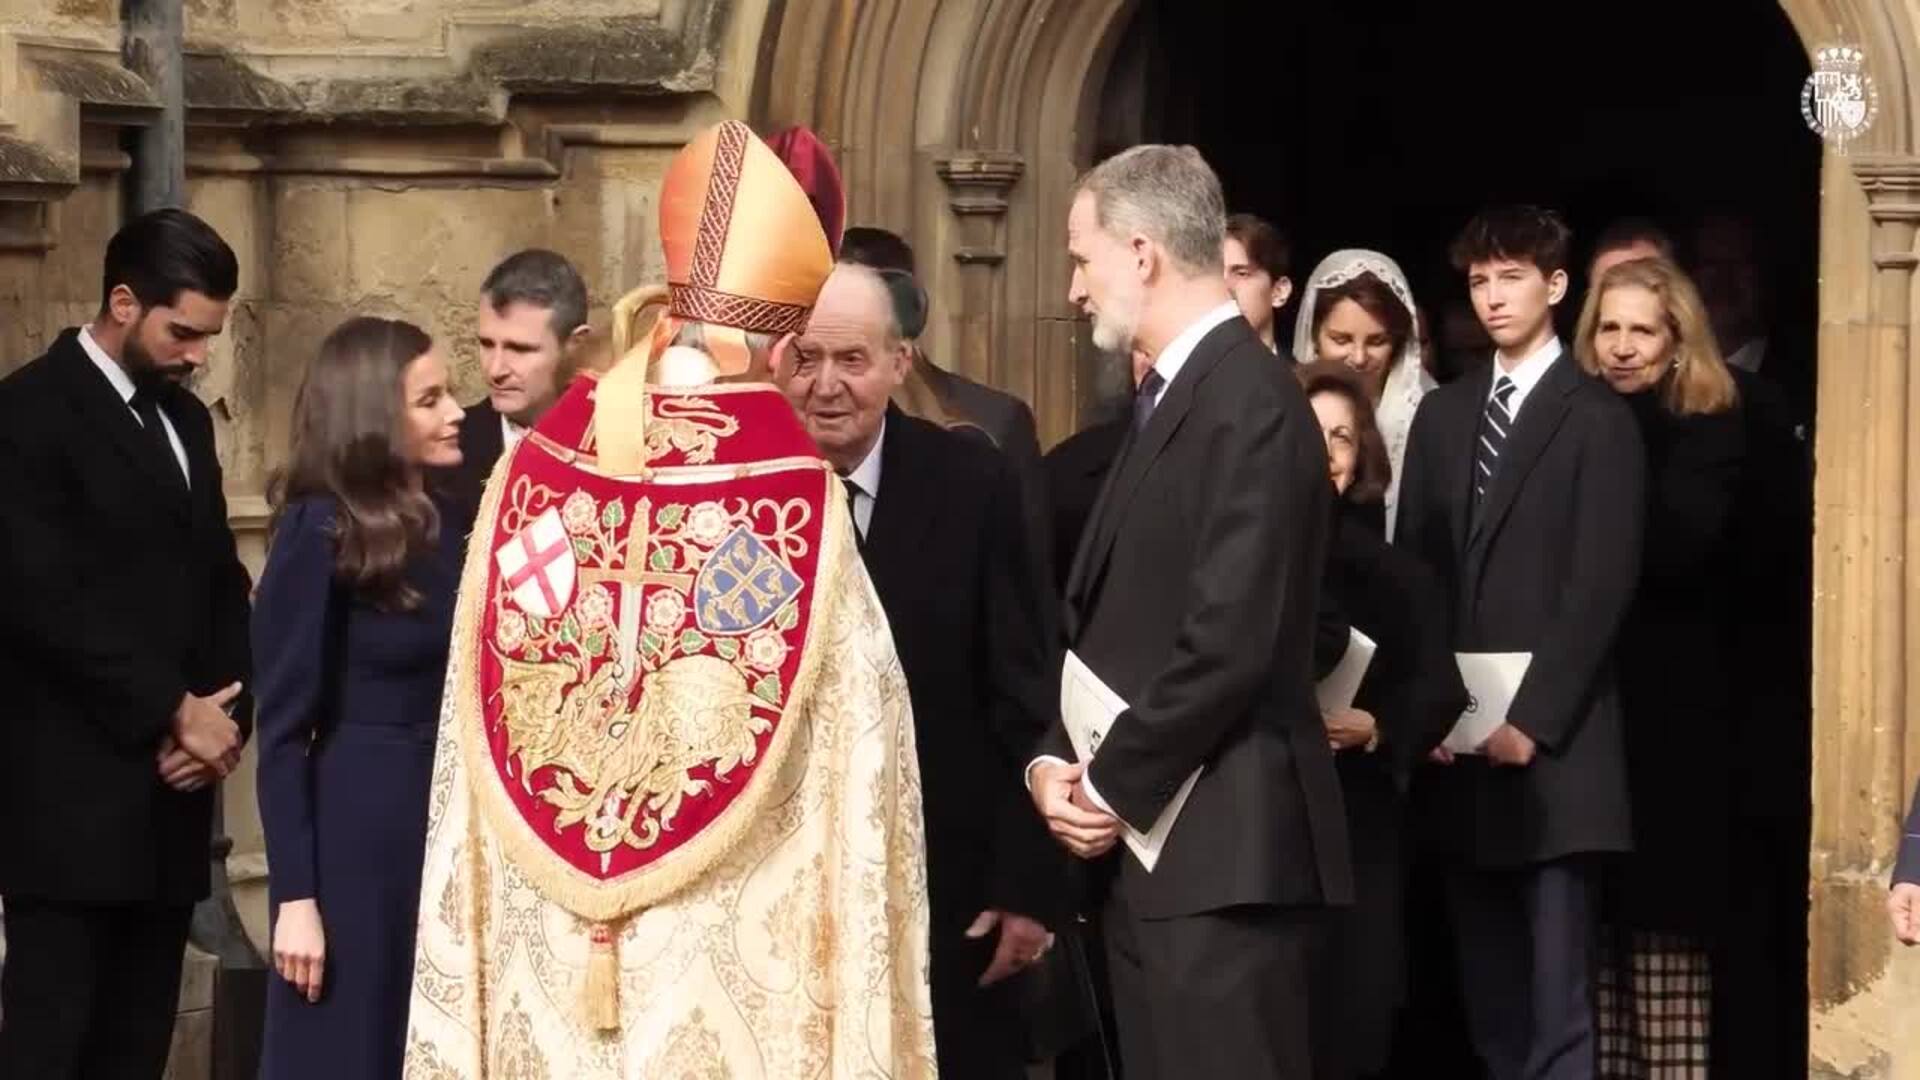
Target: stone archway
965	122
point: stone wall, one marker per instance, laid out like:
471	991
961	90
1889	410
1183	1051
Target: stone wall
361	157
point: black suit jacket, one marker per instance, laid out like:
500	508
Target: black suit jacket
481	443
1412	686
123	592
1009	423
1194	595
974	628
1074	472
1547	565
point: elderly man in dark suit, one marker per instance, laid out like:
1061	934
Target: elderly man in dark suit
1524	490
1193	596
125	628
1002	418
939	519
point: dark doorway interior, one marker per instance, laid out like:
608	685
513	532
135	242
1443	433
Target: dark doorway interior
1387	124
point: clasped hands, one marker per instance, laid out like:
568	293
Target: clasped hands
1508	745
1081	827
204	743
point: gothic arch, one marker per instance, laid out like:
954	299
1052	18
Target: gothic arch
964	123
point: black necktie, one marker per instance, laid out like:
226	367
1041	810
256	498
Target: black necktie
853	490
147	407
1494	427
1145	399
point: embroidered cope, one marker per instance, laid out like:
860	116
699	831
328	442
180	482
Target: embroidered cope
675	827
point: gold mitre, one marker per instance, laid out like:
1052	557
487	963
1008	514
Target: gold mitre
745	244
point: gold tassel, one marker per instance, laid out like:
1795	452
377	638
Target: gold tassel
603	981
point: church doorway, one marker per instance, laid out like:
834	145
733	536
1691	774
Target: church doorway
1352	127
963	125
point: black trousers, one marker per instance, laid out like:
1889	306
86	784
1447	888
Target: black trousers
1525	941
89	993
1219	994
976	1030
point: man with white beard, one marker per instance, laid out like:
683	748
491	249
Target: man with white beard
1192	596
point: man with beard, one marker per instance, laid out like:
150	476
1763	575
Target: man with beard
1193	596
126	643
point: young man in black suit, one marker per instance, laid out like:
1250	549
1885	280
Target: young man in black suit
125	627
532	331
1524	490
940	526
1193	596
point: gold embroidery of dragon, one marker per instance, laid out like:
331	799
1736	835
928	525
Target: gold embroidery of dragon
623	773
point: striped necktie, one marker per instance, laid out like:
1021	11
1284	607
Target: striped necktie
1493	436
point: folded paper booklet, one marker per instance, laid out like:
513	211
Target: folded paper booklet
1088	707
1492	679
1342	684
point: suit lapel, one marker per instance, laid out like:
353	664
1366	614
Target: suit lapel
203	463
1138	454
1539	421
110	416
1079	576
908	501
1461	444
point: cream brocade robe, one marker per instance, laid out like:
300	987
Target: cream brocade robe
773	964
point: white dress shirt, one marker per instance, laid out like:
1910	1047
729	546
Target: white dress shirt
865	478
1525	375
510	434
1180	349
123	385
1168	365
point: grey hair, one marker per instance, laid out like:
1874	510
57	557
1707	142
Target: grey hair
542	279
906	301
1168	194
693	335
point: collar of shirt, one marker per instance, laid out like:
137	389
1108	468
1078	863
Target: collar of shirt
122	383
866	475
1526	374
1175	355
1748	357
510	433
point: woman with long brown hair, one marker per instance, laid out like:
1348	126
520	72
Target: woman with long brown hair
350	635
1644	330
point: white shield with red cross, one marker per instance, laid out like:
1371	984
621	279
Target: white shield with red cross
537	567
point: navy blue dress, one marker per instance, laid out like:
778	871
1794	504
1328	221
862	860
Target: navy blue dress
349	702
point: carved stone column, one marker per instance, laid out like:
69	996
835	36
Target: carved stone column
978	182
1866	747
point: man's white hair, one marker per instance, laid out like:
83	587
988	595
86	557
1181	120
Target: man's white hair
1168	194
